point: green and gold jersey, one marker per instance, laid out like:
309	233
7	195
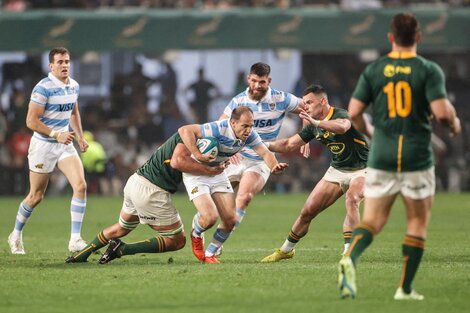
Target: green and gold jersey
400	87
349	150
158	170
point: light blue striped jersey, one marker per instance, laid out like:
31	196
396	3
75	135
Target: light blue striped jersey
59	100
228	143
269	113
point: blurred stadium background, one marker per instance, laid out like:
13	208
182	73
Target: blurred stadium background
136	61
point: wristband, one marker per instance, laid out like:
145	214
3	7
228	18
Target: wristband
54	134
315	122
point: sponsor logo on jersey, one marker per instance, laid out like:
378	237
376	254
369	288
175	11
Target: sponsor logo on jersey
65	107
263	123
151	218
390	70
336	147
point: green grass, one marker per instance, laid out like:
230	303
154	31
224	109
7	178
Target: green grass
176	282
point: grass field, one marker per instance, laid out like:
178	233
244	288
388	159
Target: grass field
40	281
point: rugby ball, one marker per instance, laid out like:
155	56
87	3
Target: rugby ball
208	145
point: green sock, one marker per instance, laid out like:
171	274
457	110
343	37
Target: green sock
412	248
361	238
99	242
347	235
151	245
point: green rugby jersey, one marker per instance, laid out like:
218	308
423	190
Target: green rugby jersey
158	170
400	87
349	150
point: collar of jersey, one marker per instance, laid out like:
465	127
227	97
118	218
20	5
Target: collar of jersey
57	81
402	55
330	114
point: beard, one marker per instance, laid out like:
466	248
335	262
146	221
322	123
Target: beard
258	96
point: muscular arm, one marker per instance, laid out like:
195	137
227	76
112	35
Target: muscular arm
270	159
356	113
35	111
76	124
286	144
445	113
188	134
182	161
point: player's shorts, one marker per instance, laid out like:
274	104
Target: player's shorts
43	156
152	204
415	185
235	171
199	185
343	178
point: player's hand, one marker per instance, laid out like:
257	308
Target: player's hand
455	128
305	150
218	169
279	168
205	158
65	137
83	144
235	159
307	118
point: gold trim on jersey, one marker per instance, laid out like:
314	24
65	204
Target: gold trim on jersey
400	149
330	114
402	54
359	141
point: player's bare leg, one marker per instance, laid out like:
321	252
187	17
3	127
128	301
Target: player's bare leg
353	196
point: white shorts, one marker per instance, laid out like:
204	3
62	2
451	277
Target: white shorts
343	178
152	204
43	156
199	185
415	185
235	171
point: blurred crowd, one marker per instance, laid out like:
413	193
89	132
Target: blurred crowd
21	5
123	129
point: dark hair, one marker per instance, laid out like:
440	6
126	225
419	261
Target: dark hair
317	90
404	28
260	69
239	111
58	50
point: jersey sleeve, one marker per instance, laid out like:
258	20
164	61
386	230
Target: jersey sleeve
39	95
210	129
435	83
292	102
253	140
229	108
307	133
363	91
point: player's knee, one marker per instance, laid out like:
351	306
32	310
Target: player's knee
34	198
80	187
308	214
208	219
245	198
175	243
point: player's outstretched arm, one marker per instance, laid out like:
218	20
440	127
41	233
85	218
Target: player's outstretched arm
270	159
286	145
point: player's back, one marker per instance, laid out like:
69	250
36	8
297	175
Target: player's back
400	87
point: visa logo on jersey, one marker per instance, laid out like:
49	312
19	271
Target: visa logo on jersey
263	123
65	107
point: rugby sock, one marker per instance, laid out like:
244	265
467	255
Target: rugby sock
152	245
77	211
240	214
198	230
290	242
99	242
347	235
412	249
22	217
361	238
218	239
